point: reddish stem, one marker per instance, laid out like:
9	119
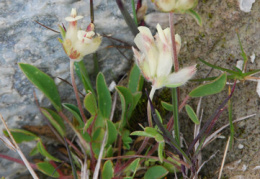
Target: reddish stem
56	168
76	91
75	148
17	160
184	102
174	50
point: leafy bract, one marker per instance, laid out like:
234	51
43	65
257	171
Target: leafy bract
108	171
45	153
156	172
104	97
90	103
21	135
55	120
213	87
48	169
43	82
191	114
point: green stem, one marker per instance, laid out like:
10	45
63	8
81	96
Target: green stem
175	98
134	12
76	90
176	115
96	66
84	77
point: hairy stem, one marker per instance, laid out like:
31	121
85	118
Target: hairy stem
76	90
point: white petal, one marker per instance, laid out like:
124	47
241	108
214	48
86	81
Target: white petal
85	49
252	58
139	42
178	42
161	34
72	19
145	31
181	77
165	63
85	37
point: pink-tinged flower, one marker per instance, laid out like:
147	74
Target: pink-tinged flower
155	58
78	43
179	6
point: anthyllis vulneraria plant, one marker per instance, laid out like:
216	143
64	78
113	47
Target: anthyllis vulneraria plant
77	44
103	142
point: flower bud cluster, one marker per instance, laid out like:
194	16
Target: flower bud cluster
78	43
179	6
155	58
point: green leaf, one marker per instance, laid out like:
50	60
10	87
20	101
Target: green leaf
243	54
43	82
98	135
133	167
159	116
55	120
148	132
191	114
170	167
253	72
136	98
135	82
91	104
126	138
196	16
219	68
45	153
112	132
75	111
21	135
108	171
85	136
167	106
160	151
104	97
62	32
82	73
213	87
159	138
47	169
88	123
126	102
141	133
155	172
34	151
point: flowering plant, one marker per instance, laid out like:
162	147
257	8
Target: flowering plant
103	141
